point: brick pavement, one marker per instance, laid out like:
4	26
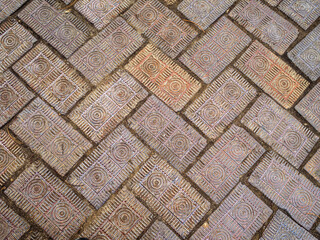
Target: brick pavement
159	119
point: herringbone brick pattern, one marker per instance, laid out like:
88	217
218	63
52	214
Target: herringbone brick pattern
159	119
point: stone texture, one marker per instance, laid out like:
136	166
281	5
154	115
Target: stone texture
280	130
273	2
265	24
46	133
303	12
282	227
221	103
167	133
220	168
12	226
108	166
313	166
167	193
51	78
272	74
159	231
123	217
238	217
12	157
13	96
107	105
215	50
204	12
161	25
63	31
287	188
7	7
306	54
15	41
106	51
49	202
164	77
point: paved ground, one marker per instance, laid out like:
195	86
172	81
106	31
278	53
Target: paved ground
160	119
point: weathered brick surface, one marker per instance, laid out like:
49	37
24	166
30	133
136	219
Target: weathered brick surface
159	119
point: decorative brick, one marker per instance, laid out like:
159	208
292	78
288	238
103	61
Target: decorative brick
159	231
221	167
105	107
313	166
309	107
303	12
49	202
161	26
7	7
282	227
280	130
165	78
215	50
13	96
221	103
12	157
167	133
15	40
46	133
102	54
239	216
204	12
272	74
51	78
36	235
12	225
108	166
318	228
100	12
167	193
63	31
287	188
265	24
306	54
122	217
273	2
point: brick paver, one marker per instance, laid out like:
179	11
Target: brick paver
8	7
290	190
313	166
159	231
50	203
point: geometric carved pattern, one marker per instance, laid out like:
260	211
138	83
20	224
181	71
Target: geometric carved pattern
221	167
283	227
169	195
303	12
287	188
159	231
12	226
50	203
265	24
12	157
165	78
46	133
203	13
7	7
272	74
238	217
306	54
313	166
122	217
108	166
166	132
13	96
100	12
221	103
37	235
15	40
161	25
215	50
50	77
102	54
107	105
63	31
280	130
309	107
273	2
